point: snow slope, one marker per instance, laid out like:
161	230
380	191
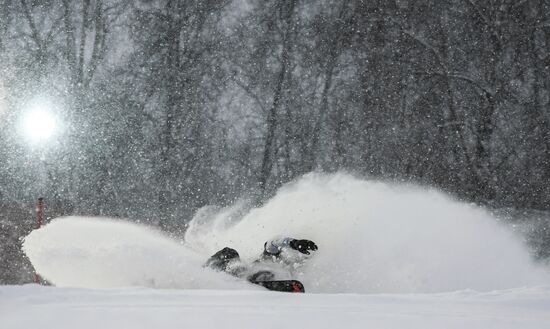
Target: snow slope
46	307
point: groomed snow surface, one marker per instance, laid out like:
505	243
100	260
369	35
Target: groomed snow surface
390	256
136	308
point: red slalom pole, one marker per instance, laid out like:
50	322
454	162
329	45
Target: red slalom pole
40	211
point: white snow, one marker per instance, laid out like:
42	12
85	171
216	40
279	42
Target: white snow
377	237
45	307
105	253
390	256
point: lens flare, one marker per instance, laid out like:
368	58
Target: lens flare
39	124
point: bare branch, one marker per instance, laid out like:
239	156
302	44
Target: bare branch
69	36
82	47
457	76
99	47
423	42
253	95
34	31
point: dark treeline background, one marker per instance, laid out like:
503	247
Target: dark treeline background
167	106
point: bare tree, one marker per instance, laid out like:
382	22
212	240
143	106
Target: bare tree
5	17
85	27
334	31
285	12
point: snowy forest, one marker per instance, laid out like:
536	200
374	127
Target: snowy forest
165	106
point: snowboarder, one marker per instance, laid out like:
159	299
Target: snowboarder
276	251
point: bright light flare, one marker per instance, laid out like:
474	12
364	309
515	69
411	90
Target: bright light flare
39	124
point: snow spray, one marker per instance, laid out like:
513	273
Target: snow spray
376	237
103	253
373	237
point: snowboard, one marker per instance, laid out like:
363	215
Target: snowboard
282	285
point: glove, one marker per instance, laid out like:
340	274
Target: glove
303	246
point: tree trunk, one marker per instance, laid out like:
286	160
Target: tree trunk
272	120
323	110
172	86
538	163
